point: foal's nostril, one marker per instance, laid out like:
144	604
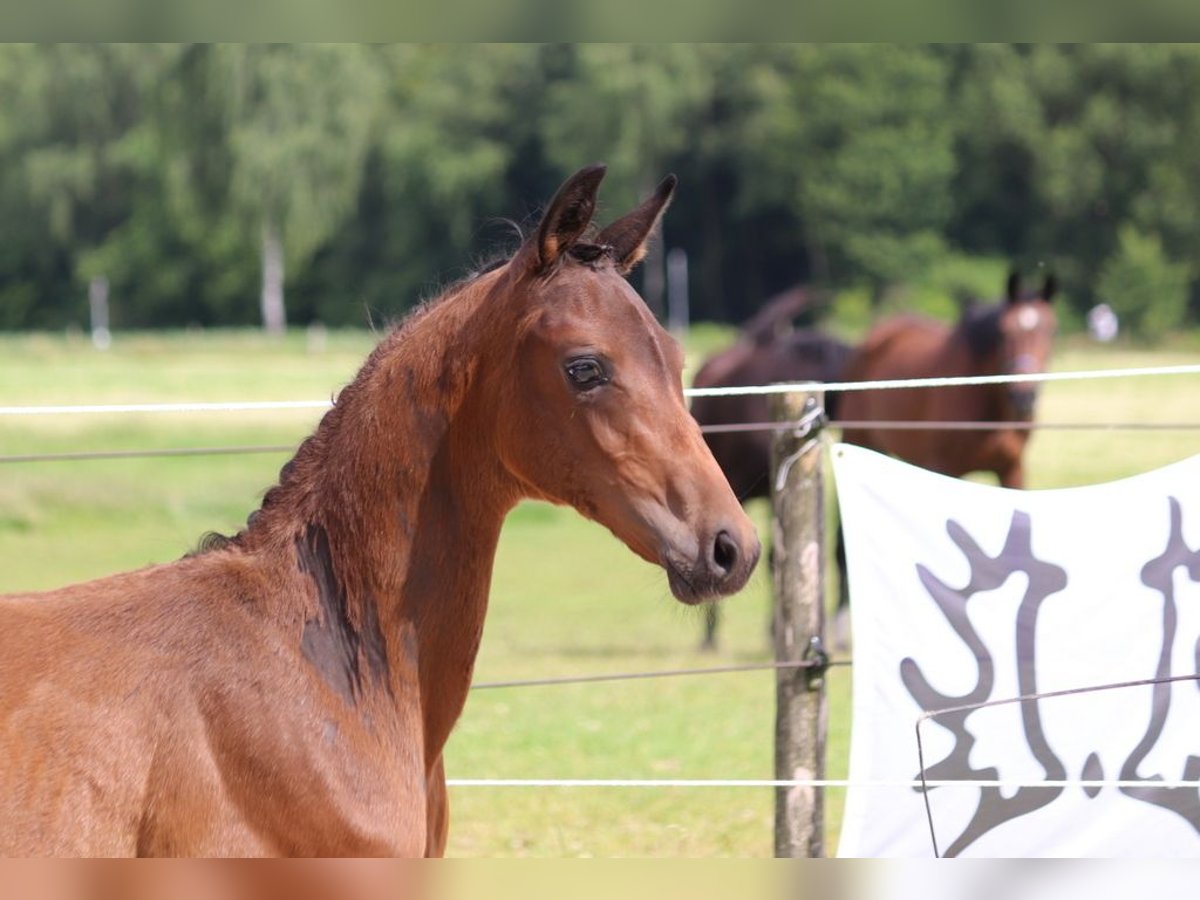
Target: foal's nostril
725	552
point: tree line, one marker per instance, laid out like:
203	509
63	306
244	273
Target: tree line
237	184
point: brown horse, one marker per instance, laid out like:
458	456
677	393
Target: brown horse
290	690
759	358
766	352
1012	336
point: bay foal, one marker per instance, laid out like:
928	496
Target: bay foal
290	690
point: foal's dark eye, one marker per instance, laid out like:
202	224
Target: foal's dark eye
586	373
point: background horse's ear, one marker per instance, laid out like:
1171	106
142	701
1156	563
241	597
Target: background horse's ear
1049	288
628	235
568	214
1012	289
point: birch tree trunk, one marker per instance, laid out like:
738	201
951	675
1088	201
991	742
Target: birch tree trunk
273	314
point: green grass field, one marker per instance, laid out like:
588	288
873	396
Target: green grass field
567	599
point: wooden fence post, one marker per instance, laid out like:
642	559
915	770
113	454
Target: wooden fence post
798	542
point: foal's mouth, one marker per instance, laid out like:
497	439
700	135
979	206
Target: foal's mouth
683	588
692	585
705	562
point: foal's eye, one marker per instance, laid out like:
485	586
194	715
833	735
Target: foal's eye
586	373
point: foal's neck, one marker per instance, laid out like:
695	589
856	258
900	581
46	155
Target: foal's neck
401	480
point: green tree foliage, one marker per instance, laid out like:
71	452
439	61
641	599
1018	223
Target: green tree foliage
365	175
80	162
1062	145
1146	290
637	107
455	146
299	119
855	140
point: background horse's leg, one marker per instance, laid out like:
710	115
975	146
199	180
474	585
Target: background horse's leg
712	618
437	805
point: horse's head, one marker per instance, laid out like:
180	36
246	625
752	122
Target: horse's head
1027	324
595	416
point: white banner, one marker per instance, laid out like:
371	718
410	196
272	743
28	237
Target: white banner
964	594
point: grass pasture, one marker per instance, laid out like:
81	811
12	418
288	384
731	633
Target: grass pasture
567	597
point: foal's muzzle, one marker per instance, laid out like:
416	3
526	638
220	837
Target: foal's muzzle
723	567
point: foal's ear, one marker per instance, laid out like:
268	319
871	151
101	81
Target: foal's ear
568	214
1049	288
629	234
1012	288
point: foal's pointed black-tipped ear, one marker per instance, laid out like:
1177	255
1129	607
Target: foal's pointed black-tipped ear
1049	288
568	214
629	234
1012	288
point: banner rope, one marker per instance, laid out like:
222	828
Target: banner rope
925	784
914	784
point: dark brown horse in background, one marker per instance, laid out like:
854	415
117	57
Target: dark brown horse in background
767	351
290	690
1014	336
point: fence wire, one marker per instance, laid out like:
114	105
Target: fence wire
922	783
727	428
949	381
661	673
828	387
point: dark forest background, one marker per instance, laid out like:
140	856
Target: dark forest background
373	174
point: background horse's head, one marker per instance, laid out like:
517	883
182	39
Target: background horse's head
595	413
1016	337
